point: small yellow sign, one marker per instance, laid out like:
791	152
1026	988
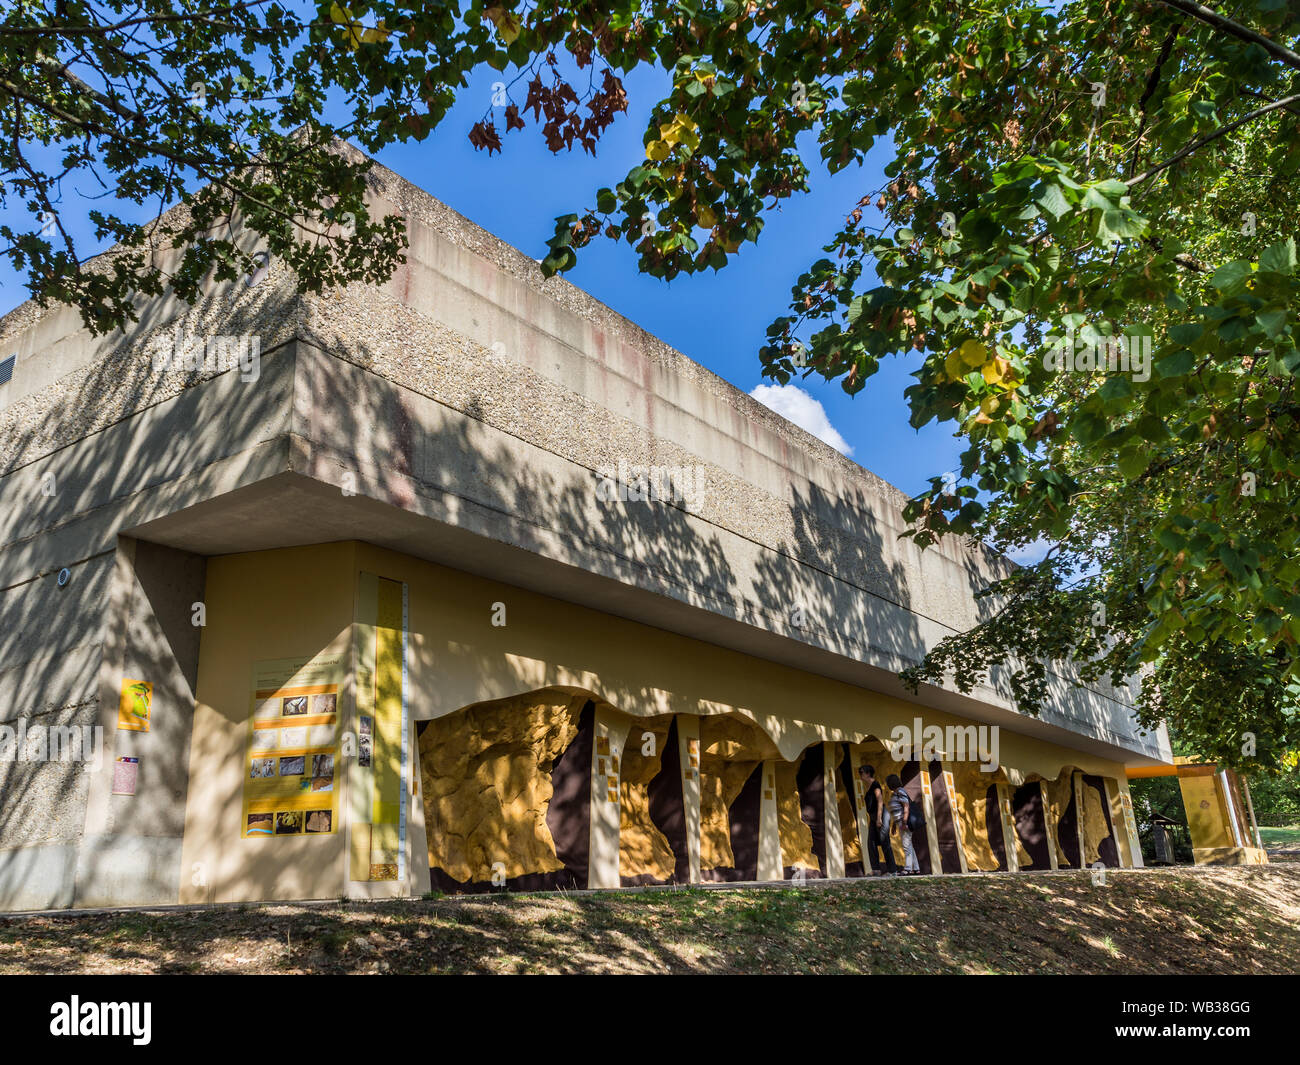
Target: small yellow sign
134	706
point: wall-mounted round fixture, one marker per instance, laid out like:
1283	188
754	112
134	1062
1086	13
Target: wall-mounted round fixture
65	575
259	271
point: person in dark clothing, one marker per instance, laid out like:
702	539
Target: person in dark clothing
877	823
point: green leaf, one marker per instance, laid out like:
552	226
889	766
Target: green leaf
1279	258
1053	200
1117	387
1231	277
1132	464
1232	329
1170	540
1152	429
1179	364
1089	428
1272	322
1231	561
1119	223
1111	188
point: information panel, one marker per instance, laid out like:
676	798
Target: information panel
291	758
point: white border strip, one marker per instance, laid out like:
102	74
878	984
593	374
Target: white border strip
1237	840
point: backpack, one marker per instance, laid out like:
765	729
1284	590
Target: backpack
915	815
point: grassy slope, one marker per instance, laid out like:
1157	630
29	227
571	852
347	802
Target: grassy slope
1169	921
1280	837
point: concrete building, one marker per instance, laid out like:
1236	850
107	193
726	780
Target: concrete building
470	567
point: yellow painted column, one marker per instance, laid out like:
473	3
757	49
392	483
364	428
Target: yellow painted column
417	840
688	753
1010	840
361	769
1124	823
1206	816
378	802
951	785
1049	829
1230	808
831	817
931	830
770	866
611	730
388	811
860	810
1076	779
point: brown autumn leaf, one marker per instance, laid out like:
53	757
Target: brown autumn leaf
484	135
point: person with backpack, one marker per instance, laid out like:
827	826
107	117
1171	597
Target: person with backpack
903	810
877	823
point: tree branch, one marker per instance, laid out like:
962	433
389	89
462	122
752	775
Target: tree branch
1153	82
103	29
1212	18
60	70
1220	132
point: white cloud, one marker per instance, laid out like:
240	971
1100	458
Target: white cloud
1031	553
796	405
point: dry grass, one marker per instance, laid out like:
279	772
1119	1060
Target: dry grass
1183	920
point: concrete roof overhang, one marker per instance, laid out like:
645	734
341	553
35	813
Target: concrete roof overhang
291	509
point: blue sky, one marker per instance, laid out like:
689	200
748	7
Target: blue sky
719	320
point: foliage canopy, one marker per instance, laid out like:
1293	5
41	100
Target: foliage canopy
1072	184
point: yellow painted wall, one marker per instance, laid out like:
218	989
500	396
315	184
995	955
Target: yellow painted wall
643	850
458	657
270	604
970	801
301	601
487	782
1095	828
848	817
731	748
796	837
1207	820
1058	793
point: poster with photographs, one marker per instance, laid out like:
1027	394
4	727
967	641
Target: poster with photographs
292	749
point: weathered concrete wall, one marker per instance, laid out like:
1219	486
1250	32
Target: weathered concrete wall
461	413
50	655
130	852
64	651
64	838
785	523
